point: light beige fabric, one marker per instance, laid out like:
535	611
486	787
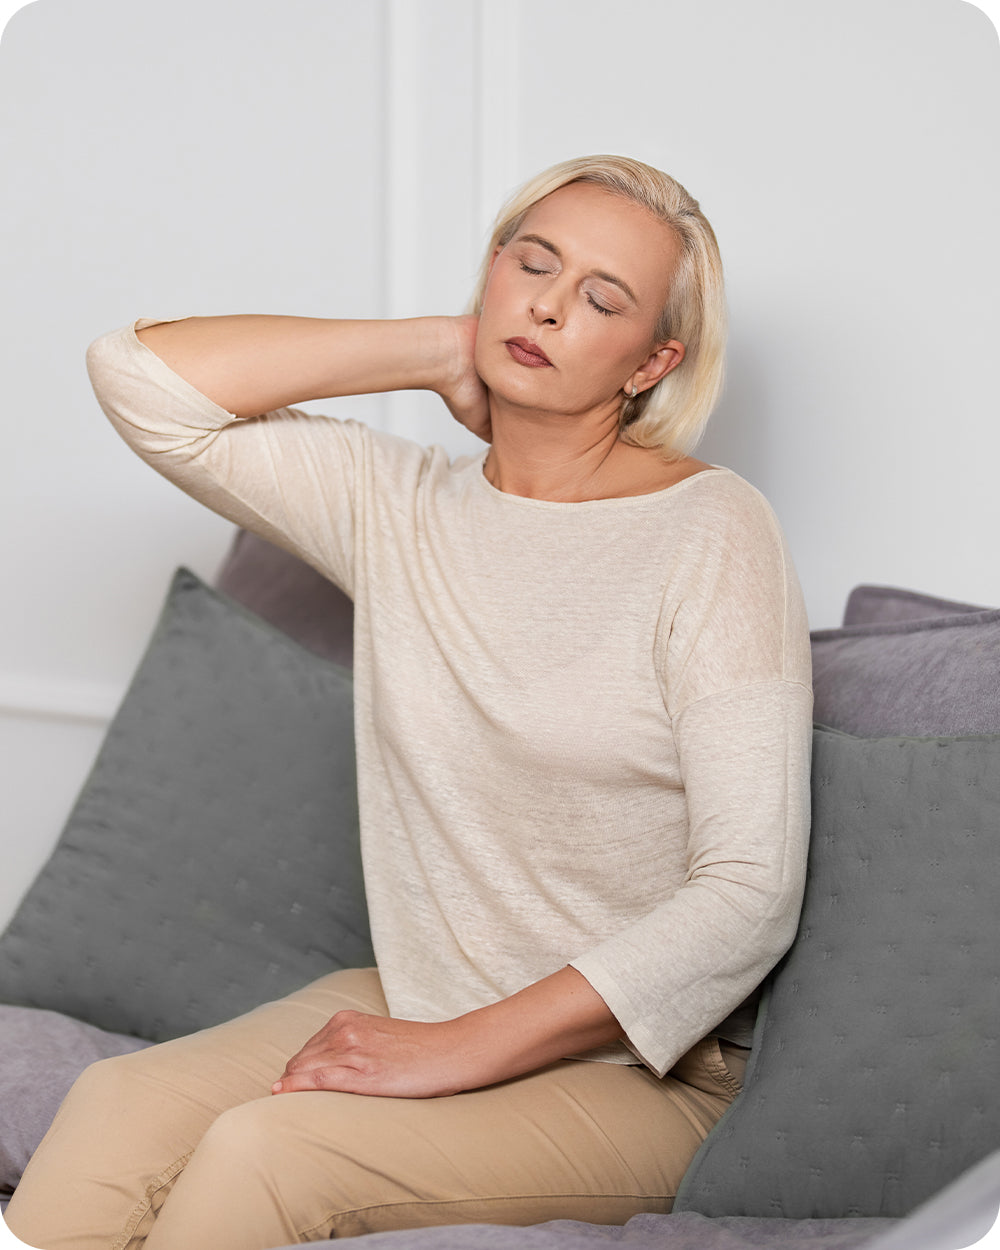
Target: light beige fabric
583	729
185	1149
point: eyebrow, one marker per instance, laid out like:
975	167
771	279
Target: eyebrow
597	273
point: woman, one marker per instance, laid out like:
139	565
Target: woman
583	711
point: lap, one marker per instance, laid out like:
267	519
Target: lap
577	1140
194	1118
569	1102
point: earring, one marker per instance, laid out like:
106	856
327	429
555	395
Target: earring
634	391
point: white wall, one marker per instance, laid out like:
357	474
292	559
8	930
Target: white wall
325	157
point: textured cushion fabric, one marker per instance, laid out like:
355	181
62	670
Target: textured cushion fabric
927	677
960	1215
889	605
42	1055
642	1232
211	861
876	1064
285	591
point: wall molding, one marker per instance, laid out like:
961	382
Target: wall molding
499	27
39	698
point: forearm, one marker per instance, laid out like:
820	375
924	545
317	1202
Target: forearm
558	1016
249	364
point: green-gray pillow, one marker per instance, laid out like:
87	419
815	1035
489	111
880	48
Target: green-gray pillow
211	862
875	1072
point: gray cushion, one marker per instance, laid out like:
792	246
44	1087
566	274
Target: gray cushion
211	862
881	605
285	591
876	1063
43	1054
928	677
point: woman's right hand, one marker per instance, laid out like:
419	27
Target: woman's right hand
461	387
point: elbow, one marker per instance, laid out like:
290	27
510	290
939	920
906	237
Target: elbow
784	916
95	359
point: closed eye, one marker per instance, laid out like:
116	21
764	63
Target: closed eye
605	312
608	312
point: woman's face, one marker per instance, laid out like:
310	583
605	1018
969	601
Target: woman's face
570	309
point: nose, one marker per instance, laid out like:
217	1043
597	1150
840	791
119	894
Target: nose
548	304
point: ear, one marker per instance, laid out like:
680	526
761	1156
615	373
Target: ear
656	366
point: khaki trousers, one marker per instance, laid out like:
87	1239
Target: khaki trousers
182	1146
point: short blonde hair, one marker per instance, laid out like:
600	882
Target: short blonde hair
672	414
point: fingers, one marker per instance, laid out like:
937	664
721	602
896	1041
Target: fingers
361	1054
344	1080
331	1058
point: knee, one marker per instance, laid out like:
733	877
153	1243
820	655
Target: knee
245	1140
106	1082
132	1089
268	1140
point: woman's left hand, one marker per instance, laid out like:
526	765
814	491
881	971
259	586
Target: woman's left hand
361	1054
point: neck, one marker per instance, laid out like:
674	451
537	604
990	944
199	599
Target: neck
566	459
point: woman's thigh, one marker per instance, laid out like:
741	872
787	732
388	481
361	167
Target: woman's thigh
577	1140
130	1124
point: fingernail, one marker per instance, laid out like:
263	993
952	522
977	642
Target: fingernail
276	1087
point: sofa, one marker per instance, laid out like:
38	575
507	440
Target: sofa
211	863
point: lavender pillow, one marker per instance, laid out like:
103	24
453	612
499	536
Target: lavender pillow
934	676
889	605
286	592
43	1054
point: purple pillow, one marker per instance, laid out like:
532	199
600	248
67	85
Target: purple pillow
884	605
290	595
43	1054
909	669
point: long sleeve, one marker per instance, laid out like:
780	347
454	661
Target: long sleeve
676	973
288	476
734	660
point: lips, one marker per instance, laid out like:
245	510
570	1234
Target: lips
527	353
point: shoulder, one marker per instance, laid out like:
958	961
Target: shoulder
723	510
736	614
716	482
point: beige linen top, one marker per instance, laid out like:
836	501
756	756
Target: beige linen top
583	729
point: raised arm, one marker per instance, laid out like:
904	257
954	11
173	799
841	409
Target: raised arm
252	364
208	403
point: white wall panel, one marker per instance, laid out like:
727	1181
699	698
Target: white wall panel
332	158
158	159
433	106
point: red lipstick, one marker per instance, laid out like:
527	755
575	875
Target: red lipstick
527	353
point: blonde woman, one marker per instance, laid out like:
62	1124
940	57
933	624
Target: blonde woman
583	724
